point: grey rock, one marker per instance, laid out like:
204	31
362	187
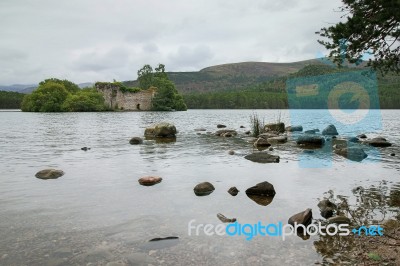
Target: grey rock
233	191
362	136
224	219
222	132
294	128
261	142
49	174
304	218
161	130
311	131
136	141
221	126
378	142
352	153
203	189
262	157
310	140
330	130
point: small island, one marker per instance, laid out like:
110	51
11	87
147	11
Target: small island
156	92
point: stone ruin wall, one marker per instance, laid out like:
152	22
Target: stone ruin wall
128	101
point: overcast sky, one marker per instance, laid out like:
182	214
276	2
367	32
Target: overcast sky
101	40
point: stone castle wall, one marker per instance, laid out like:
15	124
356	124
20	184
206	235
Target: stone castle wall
129	101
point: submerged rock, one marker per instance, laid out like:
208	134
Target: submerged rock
294	128
362	136
233	191
223	132
49	174
161	130
224	219
203	189
247	132
261	200
378	142
330	130
85	148
149	180
231	152
221	126
278	127
311	131
304	218
352	153
262	157
310	140
135	141
200	129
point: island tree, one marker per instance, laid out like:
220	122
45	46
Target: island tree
167	97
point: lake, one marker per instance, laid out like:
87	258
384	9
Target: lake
98	213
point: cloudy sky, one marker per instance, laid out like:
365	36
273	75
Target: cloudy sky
101	40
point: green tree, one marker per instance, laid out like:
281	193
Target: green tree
167	97
86	100
48	97
371	26
68	85
145	77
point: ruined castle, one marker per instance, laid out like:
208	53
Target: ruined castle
117	98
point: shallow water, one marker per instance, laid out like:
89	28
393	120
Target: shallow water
98	213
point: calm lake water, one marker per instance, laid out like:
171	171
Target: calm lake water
98	213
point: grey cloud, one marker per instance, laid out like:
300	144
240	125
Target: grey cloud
190	57
101	39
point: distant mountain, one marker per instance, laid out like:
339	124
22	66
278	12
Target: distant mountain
235	76
28	88
17	87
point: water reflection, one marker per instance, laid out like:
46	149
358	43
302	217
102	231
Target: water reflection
372	205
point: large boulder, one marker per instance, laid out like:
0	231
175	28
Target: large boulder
330	130
203	189
294	128
49	174
304	218
378	142
262	157
310	140
278	127
352	153
262	189
161	130
149	180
